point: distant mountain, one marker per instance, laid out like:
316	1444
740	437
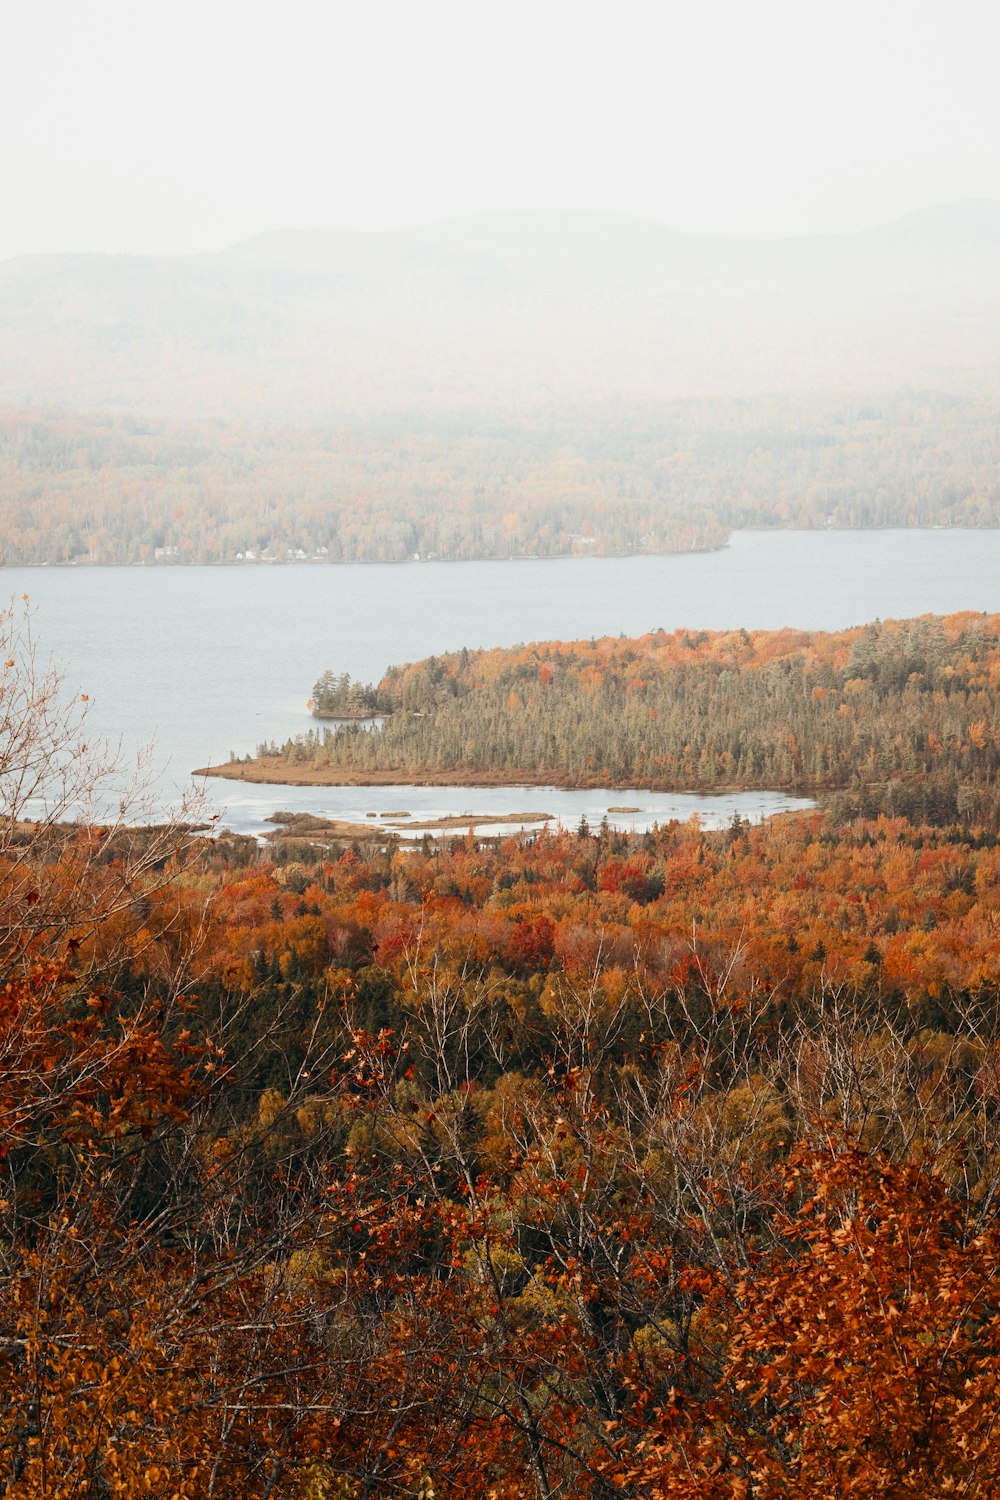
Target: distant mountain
501	310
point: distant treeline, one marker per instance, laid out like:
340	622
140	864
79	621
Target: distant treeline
901	717
588	479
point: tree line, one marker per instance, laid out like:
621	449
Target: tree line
543	482
337	696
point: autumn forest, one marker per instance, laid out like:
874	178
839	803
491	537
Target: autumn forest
571	1164
559	479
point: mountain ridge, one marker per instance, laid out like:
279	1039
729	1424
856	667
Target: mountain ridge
490	310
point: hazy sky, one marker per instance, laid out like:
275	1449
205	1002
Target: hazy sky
131	125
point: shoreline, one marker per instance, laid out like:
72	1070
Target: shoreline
760	529
411	562
275	771
138	564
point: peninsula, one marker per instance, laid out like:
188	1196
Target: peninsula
899	717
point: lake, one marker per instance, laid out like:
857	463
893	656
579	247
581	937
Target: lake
208	661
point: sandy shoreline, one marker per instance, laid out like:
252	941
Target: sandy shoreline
274	770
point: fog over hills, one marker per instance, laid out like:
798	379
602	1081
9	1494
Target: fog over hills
496	311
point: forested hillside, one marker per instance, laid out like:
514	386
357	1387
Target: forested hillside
580	1165
616	478
896	717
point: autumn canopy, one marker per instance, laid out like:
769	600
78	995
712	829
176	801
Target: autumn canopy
574	1165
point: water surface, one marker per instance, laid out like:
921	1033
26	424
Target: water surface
209	661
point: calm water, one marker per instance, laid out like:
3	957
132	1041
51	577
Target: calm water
208	661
